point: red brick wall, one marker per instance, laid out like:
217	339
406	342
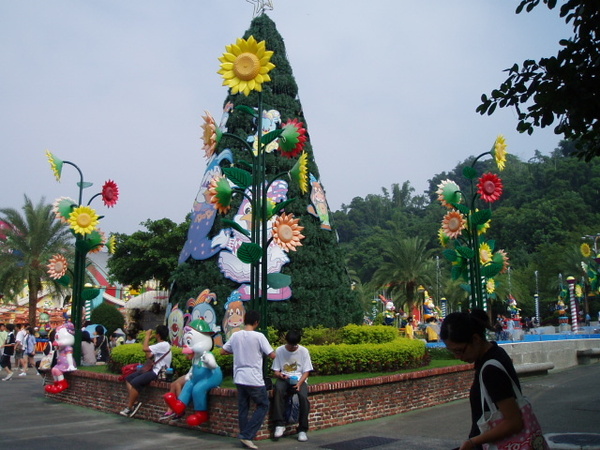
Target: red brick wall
332	404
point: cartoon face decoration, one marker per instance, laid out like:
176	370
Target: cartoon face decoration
234	317
175	324
65	335
195	341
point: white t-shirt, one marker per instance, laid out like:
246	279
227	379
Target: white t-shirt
248	348
292	363
21	335
158	350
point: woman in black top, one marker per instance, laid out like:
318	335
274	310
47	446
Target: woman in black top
464	335
101	345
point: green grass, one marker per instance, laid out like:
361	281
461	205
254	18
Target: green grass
228	381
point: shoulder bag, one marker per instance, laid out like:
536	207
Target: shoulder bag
530	437
46	361
149	364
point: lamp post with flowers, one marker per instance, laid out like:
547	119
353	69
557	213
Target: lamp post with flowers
245	66
473	258
83	221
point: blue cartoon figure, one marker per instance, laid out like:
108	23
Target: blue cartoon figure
204	374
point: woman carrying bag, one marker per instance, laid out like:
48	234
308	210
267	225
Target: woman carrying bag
501	418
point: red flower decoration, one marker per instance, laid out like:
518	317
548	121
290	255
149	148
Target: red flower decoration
489	187
110	193
292	139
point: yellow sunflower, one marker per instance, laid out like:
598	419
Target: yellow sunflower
490	286
442	238
287	233
585	249
485	254
55	164
299	172
221	193
245	65
453	224
112	244
499	152
83	220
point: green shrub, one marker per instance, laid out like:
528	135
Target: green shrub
440	353
109	316
344	358
366	334
321	336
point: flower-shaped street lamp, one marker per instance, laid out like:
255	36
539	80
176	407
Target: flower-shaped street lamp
245	67
83	221
472	257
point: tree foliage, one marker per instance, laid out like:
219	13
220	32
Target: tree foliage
32	238
562	88
149	254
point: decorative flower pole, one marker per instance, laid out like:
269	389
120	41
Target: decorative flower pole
245	66
83	222
472	259
574	324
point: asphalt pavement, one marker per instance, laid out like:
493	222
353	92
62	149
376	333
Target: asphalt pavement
567	403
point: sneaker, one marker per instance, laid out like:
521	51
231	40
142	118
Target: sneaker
23	374
125	412
248	443
7	377
278	432
302	437
166	416
135	409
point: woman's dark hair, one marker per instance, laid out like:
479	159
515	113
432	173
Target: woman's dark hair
99	330
85	336
460	327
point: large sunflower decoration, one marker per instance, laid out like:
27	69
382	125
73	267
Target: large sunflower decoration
499	152
490	187
211	134
287	233
245	65
55	164
292	138
83	220
57	266
221	193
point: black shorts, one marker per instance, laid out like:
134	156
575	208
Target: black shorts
140	379
5	362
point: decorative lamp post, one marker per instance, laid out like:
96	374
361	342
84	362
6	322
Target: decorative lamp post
245	67
83	222
473	258
574	324
537	298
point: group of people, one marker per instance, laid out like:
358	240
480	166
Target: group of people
17	341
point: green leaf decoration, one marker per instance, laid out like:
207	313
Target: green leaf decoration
462	208
470	173
65	280
249	253
89	294
236	226
450	255
278	280
84	184
270	136
279	206
247	110
465	252
456	272
491	270
492	244
240	177
481	217
466	287
244	165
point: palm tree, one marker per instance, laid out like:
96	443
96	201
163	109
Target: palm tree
31	240
407	263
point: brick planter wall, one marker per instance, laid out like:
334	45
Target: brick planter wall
332	404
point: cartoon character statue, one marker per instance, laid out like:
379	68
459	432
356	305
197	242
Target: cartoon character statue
319	206
200	308
64	340
429	308
175	323
204	374
270	121
512	307
234	315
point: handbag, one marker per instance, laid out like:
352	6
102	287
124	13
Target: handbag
149	364
530	437
46	361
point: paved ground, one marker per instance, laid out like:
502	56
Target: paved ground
566	402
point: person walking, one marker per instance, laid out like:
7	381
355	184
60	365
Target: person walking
248	347
20	338
464	334
3	334
8	351
292	366
29	351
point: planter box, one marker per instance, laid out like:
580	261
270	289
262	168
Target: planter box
332	404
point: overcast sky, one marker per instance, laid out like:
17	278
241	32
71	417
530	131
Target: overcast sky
388	87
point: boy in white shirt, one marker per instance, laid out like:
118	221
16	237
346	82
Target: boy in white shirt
292	366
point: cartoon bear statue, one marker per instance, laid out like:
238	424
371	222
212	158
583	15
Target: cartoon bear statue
204	374
64	340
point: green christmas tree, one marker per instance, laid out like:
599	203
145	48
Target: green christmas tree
321	289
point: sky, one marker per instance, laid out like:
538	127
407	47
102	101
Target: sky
389	90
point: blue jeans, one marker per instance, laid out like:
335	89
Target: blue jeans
258	395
